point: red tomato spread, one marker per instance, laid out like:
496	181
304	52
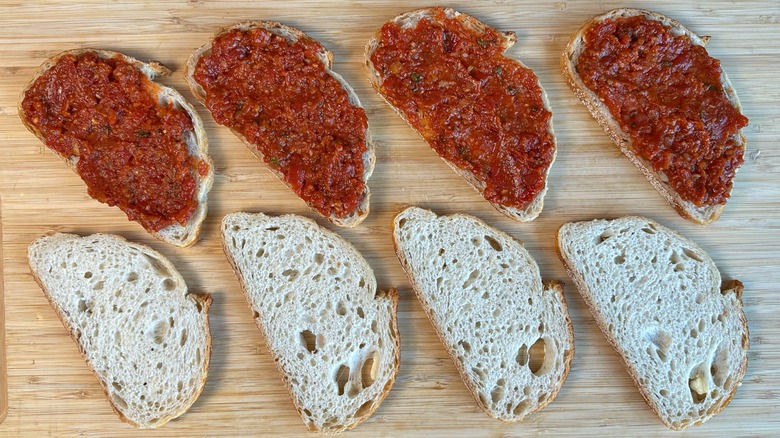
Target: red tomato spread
475	108
279	96
666	93
131	150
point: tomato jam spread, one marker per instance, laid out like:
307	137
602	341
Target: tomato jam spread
279	96
666	93
131	150
475	108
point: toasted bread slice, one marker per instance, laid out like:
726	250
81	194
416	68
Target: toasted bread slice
507	39
291	35
333	336
197	143
701	215
508	333
658	299
143	335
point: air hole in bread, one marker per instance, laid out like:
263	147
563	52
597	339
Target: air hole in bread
360	313
536	357
369	369
480	373
401	223
158	266
183	337
373	326
87	274
197	358
169	284
465	345
281	236
365	408
692	255
472	278
476	241
341	378
82	307
117	386
497	394
698	383
291	274
309	341
604	236
719	366
619	260
494	243
648	230
362	282
119	401
341	309
522	355
520	408
260	252
99	285
272	228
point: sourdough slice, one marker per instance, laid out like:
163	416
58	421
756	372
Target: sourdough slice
597	108
657	298
409	20
292	34
197	143
508	333
143	335
333	336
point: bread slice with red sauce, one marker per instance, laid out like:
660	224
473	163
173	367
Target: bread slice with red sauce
507	40
291	35
699	214
181	235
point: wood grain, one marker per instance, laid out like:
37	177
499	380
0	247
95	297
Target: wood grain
51	391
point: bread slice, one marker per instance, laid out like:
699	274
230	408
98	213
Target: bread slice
197	143
701	215
333	336
292	34
508	333
658	299
508	39
143	335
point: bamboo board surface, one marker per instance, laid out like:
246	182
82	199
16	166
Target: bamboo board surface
50	389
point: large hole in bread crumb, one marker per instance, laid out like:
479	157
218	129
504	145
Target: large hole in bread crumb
342	377
369	369
494	243
309	341
536	357
698	383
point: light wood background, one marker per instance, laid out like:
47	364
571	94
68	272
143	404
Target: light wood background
51	391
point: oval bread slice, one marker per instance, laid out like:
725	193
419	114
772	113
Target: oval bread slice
657	297
333	336
508	333
292	34
142	333
197	143
410	19
701	215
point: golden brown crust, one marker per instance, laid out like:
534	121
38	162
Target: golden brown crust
391	294
599	111
603	326
292	34
553	285
204	302
533	210
177	235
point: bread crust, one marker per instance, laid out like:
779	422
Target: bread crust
599	111
291	34
390	294
535	207
603	326
203	300
176	234
553	285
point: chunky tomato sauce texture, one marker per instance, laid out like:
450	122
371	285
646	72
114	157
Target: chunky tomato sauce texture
279	96
666	93
476	108
131	150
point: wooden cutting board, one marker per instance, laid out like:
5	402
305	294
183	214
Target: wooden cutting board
51	391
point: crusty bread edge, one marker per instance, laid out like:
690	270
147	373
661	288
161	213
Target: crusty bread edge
391	294
203	300
582	288
553	285
291	34
599	111
151	69
535	207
